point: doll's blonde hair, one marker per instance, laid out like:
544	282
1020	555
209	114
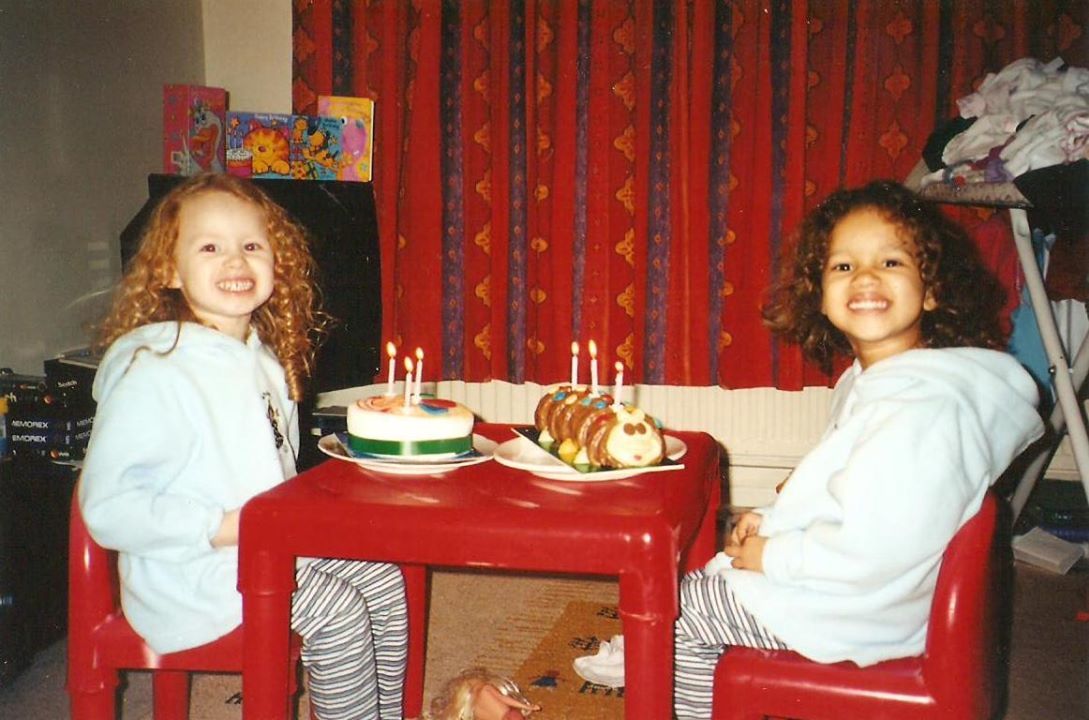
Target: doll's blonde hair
455	700
290	322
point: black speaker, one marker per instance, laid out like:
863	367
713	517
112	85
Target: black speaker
343	227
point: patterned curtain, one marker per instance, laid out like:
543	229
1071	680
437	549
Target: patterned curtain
626	171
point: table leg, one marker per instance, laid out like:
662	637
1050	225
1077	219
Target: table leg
706	542
417	595
266	612
648	650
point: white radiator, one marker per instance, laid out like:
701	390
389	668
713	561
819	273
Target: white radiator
763	431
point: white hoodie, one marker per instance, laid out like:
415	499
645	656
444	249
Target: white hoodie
180	437
857	534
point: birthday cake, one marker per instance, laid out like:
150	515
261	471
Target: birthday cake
427	427
587	428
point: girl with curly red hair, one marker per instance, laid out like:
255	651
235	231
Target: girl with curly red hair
209	342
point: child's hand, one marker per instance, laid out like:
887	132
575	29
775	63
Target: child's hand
746	525
749	555
228	530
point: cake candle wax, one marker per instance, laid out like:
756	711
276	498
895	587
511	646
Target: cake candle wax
408	381
391	350
593	368
619	385
574	364
419	372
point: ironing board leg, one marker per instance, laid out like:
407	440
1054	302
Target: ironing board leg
1068	408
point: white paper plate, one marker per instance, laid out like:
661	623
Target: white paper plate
522	453
483	447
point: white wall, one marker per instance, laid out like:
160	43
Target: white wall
254	65
80	130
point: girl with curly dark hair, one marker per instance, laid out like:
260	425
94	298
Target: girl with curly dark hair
843	564
209	341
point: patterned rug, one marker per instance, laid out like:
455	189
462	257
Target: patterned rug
548	678
527	628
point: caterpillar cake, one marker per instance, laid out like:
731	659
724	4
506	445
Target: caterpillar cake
588	429
384	425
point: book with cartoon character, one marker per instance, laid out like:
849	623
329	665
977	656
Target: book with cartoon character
259	145
194	129
356	116
316	147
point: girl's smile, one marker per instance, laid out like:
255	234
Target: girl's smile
872	288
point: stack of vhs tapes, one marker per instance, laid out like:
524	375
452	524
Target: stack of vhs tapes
50	416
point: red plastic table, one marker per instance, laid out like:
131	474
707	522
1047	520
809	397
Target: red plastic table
645	530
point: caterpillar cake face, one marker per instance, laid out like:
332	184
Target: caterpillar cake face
384	425
589	429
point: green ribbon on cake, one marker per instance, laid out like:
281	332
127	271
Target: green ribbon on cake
410	447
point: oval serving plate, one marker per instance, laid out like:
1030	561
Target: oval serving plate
522	453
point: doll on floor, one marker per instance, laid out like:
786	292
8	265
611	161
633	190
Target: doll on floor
477	694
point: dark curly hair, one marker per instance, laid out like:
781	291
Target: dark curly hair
290	322
969	297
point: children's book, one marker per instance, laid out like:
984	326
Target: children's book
259	145
316	147
356	116
193	117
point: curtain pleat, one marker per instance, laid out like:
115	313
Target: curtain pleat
628	172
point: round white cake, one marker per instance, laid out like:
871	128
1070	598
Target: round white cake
384	425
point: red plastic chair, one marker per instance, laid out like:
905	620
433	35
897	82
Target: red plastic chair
958	676
101	642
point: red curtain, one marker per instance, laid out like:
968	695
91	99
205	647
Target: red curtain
627	171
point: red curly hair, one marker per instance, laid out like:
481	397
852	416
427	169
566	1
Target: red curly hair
290	322
969	297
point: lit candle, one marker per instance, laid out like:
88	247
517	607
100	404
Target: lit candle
408	381
574	364
619	382
391	350
419	371
593	368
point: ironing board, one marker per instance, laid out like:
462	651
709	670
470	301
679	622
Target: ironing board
1067	417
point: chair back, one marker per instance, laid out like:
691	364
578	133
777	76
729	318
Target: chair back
93	586
963	637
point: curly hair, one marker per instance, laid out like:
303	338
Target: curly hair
969	297
290	322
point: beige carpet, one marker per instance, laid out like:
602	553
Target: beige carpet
495	621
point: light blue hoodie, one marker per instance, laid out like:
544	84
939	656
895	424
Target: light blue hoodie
181	436
857	534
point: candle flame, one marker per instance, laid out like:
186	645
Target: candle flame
408	363
574	348
619	366
593	349
419	354
391	349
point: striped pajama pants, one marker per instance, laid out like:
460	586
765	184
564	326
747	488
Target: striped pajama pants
353	619
711	619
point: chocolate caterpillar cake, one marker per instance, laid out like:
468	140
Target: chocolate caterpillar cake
588	429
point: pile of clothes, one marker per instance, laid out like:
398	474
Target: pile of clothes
1022	140
1028	116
